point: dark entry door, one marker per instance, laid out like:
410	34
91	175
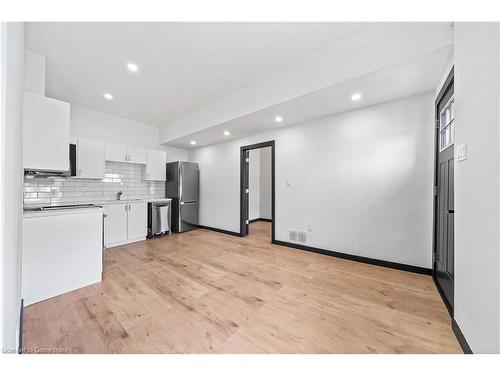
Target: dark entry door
445	208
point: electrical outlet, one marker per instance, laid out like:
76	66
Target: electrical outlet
309	227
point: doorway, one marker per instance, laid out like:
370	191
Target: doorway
245	186
444	198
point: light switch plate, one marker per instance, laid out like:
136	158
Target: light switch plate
288	182
462	152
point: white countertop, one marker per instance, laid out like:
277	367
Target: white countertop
38	213
72	211
132	201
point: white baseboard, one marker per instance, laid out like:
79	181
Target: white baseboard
125	242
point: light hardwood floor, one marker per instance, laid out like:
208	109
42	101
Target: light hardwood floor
205	292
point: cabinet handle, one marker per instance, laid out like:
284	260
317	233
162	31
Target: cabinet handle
79	172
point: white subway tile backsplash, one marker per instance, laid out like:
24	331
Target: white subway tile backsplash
118	177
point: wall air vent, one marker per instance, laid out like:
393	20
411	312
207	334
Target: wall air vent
302	237
297	236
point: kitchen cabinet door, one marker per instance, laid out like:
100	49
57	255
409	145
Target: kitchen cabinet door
116	152
137	155
45	133
115	223
137	220
156	165
90	159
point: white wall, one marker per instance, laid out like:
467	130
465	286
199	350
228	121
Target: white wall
11	184
363	179
254	185
92	124
477	195
34	72
265	174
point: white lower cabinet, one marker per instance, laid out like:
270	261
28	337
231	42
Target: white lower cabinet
124	223
137	220
115	223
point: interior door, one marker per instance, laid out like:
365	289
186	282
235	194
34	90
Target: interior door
445	210
246	187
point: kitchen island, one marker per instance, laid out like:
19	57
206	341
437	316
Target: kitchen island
62	251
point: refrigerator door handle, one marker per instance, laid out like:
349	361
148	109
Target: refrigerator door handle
180	182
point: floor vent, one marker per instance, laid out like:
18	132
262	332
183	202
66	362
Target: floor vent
297	236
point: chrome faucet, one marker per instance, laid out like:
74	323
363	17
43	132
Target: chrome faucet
119	195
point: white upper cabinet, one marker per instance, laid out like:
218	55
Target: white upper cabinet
116	152
90	158
125	154
137	155
156	165
45	133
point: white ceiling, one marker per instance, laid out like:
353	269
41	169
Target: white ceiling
182	66
411	77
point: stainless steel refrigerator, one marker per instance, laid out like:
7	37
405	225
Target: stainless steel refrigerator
183	187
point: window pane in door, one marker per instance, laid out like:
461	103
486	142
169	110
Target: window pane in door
448	116
442	122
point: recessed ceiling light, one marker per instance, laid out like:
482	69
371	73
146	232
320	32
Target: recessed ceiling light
132	67
356	97
193	142
108	96
278	119
226	133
